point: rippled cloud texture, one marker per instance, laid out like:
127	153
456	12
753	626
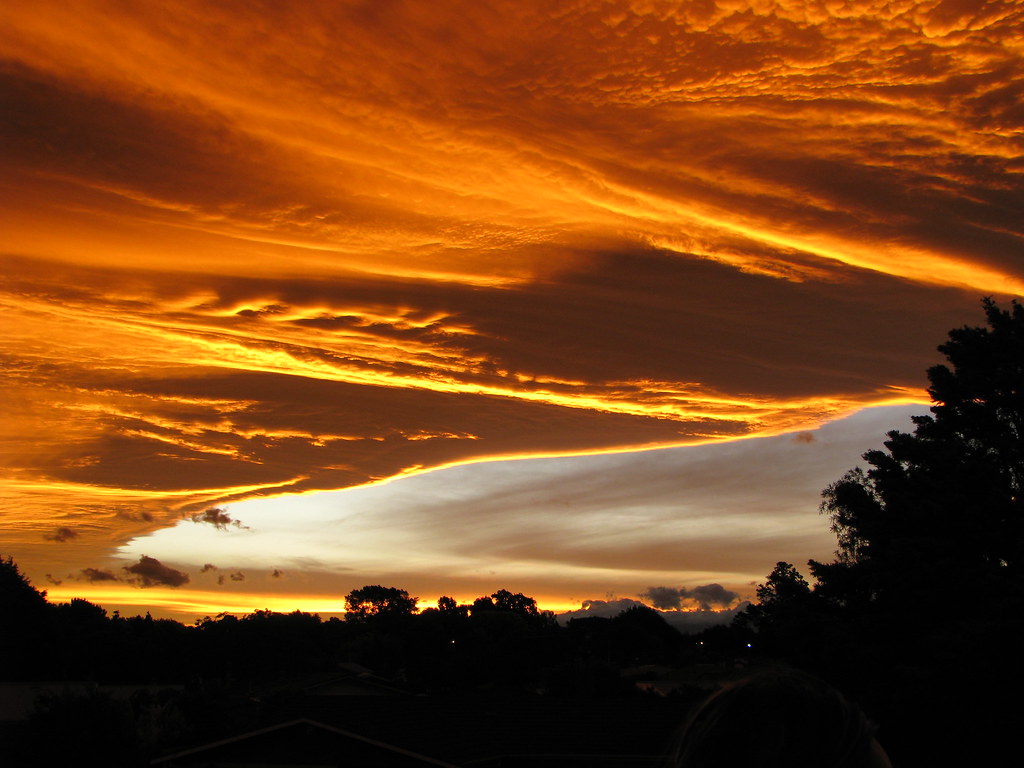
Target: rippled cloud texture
255	248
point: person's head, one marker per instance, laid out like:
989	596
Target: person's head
785	719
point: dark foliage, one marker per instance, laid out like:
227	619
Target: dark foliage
915	615
946	499
23	607
377	602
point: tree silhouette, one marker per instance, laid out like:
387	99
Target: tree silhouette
515	602
787	615
377	601
918	612
17	595
946	499
784	584
25	624
784	590
447	604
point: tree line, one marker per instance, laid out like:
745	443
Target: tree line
217	677
498	640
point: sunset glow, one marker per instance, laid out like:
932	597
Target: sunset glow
259	252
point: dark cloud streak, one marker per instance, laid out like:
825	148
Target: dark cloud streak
94	575
218	518
706	597
150	572
62	534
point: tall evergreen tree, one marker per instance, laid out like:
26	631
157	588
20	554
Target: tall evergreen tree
918	615
940	513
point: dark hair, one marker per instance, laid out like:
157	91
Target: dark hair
779	718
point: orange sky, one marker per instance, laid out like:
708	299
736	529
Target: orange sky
254	249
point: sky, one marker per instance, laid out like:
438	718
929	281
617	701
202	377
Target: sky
587	300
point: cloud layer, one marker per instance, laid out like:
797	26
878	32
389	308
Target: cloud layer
705	522
310	246
150	572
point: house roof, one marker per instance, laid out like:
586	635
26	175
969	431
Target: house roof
300	742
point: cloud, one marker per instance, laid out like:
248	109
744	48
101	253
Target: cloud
236	576
705	597
218	518
208	567
277	573
61	534
54	580
710	596
95	575
804	437
665	598
150	572
140	515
